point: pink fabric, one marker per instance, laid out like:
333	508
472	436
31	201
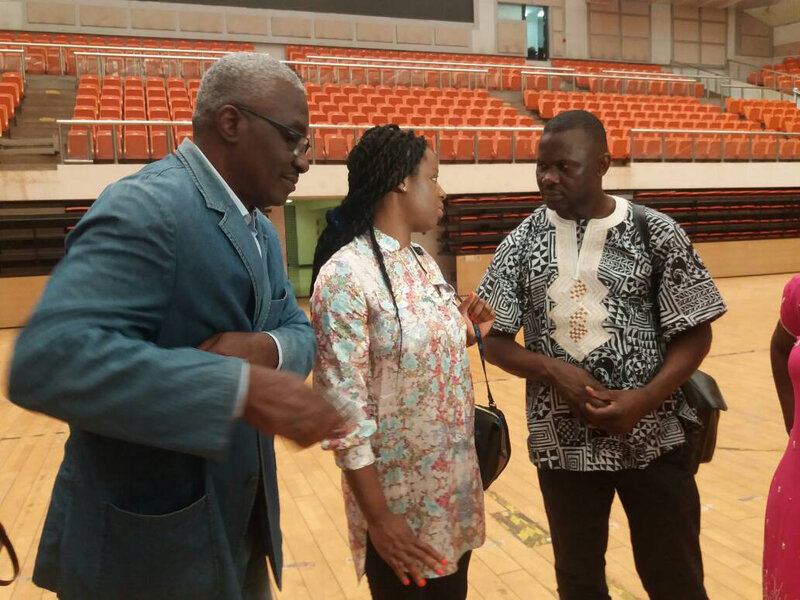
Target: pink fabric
782	525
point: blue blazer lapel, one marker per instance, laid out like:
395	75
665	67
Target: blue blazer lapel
231	223
262	307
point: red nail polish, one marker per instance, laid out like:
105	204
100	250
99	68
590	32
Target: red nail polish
440	571
406	582
421	583
444	561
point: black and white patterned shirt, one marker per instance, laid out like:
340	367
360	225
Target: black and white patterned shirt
581	292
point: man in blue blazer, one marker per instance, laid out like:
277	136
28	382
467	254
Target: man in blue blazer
166	338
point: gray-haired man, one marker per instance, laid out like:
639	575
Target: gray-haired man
161	339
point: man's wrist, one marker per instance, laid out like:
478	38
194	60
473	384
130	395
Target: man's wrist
274	353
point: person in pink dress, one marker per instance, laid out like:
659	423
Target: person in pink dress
782	524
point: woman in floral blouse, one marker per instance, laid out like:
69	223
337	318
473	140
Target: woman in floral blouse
392	337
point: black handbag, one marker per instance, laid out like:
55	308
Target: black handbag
702	393
6	543
701	390
492	442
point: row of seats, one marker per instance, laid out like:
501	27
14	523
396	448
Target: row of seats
476	224
597	66
12	89
453	146
325	106
58	57
422	108
302	52
548	104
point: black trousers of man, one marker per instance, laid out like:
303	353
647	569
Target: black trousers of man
663	509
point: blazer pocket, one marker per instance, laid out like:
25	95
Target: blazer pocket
275	311
159	557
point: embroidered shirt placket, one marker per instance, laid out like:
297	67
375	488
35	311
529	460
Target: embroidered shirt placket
578	294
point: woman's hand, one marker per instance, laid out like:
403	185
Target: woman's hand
402	550
476	311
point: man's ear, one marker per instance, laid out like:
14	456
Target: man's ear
603	164
402	186
227	121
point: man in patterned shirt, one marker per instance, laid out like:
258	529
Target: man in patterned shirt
603	364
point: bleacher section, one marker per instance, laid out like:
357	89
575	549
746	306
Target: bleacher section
444	105
775	115
622	112
783	76
131	99
477	224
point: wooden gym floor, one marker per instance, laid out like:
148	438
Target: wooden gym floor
517	560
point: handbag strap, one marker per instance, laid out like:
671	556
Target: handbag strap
479	340
640	222
5	542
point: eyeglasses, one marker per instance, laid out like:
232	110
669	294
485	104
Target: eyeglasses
301	141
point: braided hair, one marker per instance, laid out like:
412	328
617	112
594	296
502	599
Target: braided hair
383	157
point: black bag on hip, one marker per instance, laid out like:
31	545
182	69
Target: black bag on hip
701	391
492	442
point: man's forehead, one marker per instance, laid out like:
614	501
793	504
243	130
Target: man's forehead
287	102
564	135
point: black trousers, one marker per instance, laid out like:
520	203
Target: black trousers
663	509
384	584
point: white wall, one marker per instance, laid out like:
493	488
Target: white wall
261	26
11	14
786	34
661	34
576	29
484	34
82	182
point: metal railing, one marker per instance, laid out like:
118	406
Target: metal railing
556	78
485	65
497	72
137	65
711	80
116	125
19	53
750	92
313	71
721	134
65	50
742	71
138	62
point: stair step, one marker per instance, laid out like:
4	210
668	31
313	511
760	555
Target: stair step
8	143
50	82
49	165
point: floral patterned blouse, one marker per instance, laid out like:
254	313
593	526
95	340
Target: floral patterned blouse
416	415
